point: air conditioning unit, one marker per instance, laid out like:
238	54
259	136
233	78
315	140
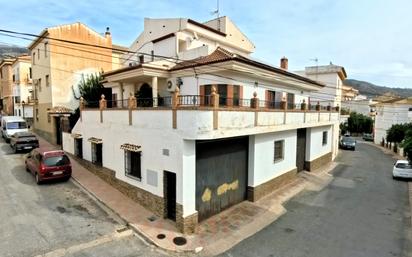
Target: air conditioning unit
171	85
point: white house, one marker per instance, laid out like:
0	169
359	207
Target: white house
390	112
188	139
332	76
22	87
365	107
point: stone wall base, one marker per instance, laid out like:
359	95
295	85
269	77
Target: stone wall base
48	136
257	192
148	200
186	225
318	162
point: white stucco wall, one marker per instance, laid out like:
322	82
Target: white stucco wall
388	115
314	146
262	167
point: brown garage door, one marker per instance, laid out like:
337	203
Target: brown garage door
221	174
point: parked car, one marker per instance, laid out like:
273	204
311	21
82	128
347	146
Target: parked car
11	125
347	143
367	137
402	169
23	141
48	165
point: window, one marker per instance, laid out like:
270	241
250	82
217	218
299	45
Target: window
39	84
324	138
56	161
30	73
37	114
14	77
114	100
45	49
34	58
132	164
152	55
38	53
47	81
141	58
48	116
279	150
17	99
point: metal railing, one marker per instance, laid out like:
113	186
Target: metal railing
206	101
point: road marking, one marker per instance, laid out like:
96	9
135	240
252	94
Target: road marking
79	247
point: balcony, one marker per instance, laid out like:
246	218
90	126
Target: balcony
206	117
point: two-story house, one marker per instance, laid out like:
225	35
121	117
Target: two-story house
6	85
22	87
390	112
197	125
58	65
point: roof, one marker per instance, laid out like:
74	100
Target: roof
223	55
203	26
60	110
6	61
331	68
45	31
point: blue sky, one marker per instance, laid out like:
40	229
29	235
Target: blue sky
372	39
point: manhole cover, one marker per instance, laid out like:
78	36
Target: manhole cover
161	236
179	240
152	218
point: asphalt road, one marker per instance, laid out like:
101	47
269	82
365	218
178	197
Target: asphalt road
363	212
36	220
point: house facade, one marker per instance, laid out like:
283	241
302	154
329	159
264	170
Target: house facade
22	88
390	112
332	76
6	86
58	65
195	125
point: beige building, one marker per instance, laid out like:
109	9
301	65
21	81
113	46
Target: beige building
349	93
22	87
58	65
6	86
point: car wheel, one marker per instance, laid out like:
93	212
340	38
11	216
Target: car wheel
27	169
66	179
37	178
15	149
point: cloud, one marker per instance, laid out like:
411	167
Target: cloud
371	39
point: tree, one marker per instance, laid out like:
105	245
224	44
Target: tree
91	88
359	123
407	144
396	133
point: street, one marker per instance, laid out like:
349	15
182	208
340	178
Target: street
363	212
53	217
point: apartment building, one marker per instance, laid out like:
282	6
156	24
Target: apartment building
23	101
58	65
6	86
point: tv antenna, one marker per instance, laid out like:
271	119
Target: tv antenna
217	13
316	60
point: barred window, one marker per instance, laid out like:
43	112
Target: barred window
279	150
324	138
132	164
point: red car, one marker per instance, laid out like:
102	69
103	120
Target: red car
48	165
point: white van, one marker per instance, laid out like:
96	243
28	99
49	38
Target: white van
11	125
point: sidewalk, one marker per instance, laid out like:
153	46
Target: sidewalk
215	235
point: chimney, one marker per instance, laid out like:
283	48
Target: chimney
107	33
284	63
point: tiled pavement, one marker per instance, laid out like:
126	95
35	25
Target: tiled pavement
215	235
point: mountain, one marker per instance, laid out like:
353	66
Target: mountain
372	90
10	51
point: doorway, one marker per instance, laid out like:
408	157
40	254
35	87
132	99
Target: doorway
58	130
169	191
301	149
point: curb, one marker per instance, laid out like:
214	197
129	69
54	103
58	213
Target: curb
132	226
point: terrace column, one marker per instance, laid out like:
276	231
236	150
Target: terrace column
102	106
154	91
121	94
81	107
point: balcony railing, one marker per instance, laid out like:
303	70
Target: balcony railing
206	101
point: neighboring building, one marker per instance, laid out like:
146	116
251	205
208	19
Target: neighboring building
208	132
57	68
349	93
390	112
22	88
332	76
365	107
6	86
